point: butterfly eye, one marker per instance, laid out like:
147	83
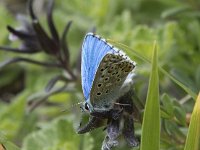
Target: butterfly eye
86	106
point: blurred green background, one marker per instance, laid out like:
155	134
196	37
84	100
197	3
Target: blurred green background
175	25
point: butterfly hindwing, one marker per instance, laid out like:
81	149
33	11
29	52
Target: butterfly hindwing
110	76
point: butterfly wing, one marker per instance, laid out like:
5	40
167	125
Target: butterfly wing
111	75
93	50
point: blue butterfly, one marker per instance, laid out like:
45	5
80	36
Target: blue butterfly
106	73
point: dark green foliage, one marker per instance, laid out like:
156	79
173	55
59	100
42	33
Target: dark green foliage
42	78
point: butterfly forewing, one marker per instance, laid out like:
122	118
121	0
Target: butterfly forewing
93	50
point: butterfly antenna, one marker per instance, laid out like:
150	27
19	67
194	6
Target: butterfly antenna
122	104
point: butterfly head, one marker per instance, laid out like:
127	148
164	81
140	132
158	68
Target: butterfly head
87	107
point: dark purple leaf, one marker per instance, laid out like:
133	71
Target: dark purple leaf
21	34
47	44
18	50
54	32
20	59
31	12
64	43
53	81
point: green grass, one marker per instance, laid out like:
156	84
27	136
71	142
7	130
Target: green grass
193	136
164	101
150	138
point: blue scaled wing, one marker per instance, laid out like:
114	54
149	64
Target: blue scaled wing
93	50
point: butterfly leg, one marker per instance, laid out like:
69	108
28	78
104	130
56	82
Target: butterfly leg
128	132
112	134
128	129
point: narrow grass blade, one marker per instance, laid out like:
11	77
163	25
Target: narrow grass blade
185	88
7	145
132	52
150	139
193	136
128	50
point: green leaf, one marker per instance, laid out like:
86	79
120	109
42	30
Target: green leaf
174	11
180	115
12	115
193	136
150	139
167	105
57	135
10	146
197	77
8	20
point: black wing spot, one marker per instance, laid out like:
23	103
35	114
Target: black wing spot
99	85
106	79
99	93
